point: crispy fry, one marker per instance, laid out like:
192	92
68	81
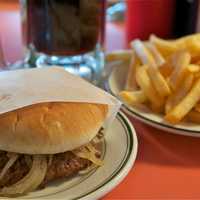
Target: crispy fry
119	55
171	63
188	38
193	116
168	66
133	98
164	75
143	53
156	54
183	60
179	94
197	75
196	60
158	81
192	44
185	105
156	77
165	47
166	69
147	87
197	107
193	68
131	83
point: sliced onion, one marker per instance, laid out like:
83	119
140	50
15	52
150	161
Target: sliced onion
31	181
12	158
88	152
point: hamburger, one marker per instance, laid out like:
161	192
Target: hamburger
47	141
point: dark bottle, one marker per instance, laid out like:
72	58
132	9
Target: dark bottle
185	17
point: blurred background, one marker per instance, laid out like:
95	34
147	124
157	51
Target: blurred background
126	20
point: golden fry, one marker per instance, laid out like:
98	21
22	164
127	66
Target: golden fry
180	93
156	54
164	75
156	77
192	45
180	67
166	69
165	47
197	75
131	83
133	98
185	105
197	107
193	116
143	53
187	38
158	81
119	55
147	87
193	68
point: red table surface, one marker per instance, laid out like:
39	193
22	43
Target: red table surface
167	165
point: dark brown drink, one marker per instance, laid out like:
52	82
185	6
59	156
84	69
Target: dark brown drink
64	27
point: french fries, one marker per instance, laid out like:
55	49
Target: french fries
193	116
166	48
185	105
190	43
193	68
180	93
156	77
197	107
147	87
164	75
180	68
156	54
119	55
131	83
133	98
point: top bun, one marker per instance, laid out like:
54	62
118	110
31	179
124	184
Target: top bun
49	128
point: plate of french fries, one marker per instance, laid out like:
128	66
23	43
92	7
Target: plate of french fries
158	82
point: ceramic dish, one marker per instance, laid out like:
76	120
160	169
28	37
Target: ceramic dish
115	84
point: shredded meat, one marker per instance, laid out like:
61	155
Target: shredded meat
62	165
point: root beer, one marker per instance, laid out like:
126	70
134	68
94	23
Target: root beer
64	27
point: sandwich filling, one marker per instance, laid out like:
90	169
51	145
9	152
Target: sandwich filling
21	173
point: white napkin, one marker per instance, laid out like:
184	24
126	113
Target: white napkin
25	87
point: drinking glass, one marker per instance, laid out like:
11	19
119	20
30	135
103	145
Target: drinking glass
67	33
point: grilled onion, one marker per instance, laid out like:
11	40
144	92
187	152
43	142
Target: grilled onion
88	152
12	158
31	181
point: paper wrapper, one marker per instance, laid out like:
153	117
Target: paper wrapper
25	87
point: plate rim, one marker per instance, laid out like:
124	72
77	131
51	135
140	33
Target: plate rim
151	122
126	167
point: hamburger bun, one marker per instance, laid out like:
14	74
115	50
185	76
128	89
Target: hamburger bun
49	128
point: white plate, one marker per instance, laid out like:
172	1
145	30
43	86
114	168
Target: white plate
116	83
120	149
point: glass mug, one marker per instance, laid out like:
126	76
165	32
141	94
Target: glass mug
67	33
